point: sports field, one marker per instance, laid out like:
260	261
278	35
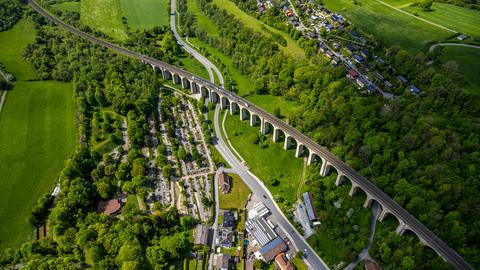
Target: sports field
468	61
104	16
145	14
37	133
268	162
388	24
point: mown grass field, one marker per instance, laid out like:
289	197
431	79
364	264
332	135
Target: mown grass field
68	6
268	162
389	25
145	14
37	133
460	19
468	61
104	16
238	195
292	47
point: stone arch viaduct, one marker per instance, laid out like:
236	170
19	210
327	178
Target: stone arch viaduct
304	145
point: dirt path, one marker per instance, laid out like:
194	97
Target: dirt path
421	19
453	44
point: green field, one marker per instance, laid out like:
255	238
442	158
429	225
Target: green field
104	16
268	162
68	6
292	47
12	44
460	19
468	60
145	14
238	195
191	64
37	133
202	20
326	247
389	25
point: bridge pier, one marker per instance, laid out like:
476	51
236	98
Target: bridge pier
195	88
276	134
233	108
353	189
368	201
223	102
186	83
253	120
311	158
339	179
263	126
167	75
287	142
402	228
325	169
383	214
299	150
176	79
243	114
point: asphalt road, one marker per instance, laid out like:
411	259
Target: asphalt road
202	59
413	224
262	192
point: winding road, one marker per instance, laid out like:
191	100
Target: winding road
454	45
387	203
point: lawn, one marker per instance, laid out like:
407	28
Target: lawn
145	14
37	134
460	19
68	6
468	62
12	44
202	20
326	247
268	162
389	25
238	195
104	16
132	202
292	47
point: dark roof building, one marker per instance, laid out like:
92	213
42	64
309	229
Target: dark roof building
414	90
402	79
225	237
223	262
111	207
358	58
352	73
307	198
229	219
224	182
270	250
200	235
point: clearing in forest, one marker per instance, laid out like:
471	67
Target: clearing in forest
104	16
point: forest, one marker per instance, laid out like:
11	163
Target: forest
10	13
106	85
422	151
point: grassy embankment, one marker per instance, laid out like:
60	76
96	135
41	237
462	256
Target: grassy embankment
37	133
67	6
244	83
269	162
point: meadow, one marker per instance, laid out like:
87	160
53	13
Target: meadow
68	6
269	162
37	134
389	25
468	63
460	19
145	14
104	16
